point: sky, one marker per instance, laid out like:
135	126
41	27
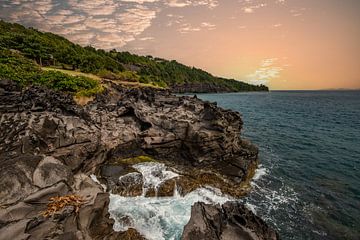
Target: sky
285	44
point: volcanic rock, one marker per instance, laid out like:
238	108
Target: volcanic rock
231	221
49	146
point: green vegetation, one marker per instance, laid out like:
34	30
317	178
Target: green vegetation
50	50
24	71
72	73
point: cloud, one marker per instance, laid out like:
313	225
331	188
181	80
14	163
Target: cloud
252	8
146	38
93	7
136	20
208	25
277	25
187	28
209	3
174	19
101	23
111	23
178	3
140	1
184	3
265	73
297	12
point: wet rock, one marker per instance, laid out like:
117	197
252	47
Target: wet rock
194	179
50	145
130	184
231	221
131	234
167	188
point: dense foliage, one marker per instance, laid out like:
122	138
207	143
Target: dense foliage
24	71
48	49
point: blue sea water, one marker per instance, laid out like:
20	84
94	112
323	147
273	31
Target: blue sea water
309	144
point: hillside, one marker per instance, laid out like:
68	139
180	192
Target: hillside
51	50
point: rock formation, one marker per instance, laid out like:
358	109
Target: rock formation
50	146
231	221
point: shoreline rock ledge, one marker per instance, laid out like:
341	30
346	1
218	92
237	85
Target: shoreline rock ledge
231	221
52	148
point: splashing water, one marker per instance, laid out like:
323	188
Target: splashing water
259	172
94	178
154	174
159	218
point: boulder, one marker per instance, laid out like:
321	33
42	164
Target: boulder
231	221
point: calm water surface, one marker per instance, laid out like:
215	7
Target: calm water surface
308	184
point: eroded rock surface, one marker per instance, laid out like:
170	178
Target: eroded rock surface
49	146
231	221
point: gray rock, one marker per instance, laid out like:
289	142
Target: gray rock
50	171
231	221
78	140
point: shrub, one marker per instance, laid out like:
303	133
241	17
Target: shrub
14	66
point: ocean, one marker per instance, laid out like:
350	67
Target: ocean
308	183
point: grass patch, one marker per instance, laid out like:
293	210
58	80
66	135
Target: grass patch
72	73
126	78
14	66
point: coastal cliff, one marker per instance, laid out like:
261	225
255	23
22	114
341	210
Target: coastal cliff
199	88
50	146
208	87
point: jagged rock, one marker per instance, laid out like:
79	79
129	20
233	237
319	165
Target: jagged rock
48	142
231	221
130	184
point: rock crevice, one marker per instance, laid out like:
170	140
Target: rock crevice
49	146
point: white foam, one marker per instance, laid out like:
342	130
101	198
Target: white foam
159	218
259	173
154	174
94	178
251	207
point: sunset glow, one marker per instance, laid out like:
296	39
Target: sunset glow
285	44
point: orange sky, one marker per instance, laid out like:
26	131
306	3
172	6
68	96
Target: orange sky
285	44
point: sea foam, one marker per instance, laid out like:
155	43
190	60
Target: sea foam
159	218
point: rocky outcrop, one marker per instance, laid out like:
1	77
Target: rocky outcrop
49	146
231	221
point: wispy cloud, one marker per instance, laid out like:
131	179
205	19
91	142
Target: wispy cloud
187	28
207	25
297	12
113	23
277	25
266	72
101	23
251	7
184	3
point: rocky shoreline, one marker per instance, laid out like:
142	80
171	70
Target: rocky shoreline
51	146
